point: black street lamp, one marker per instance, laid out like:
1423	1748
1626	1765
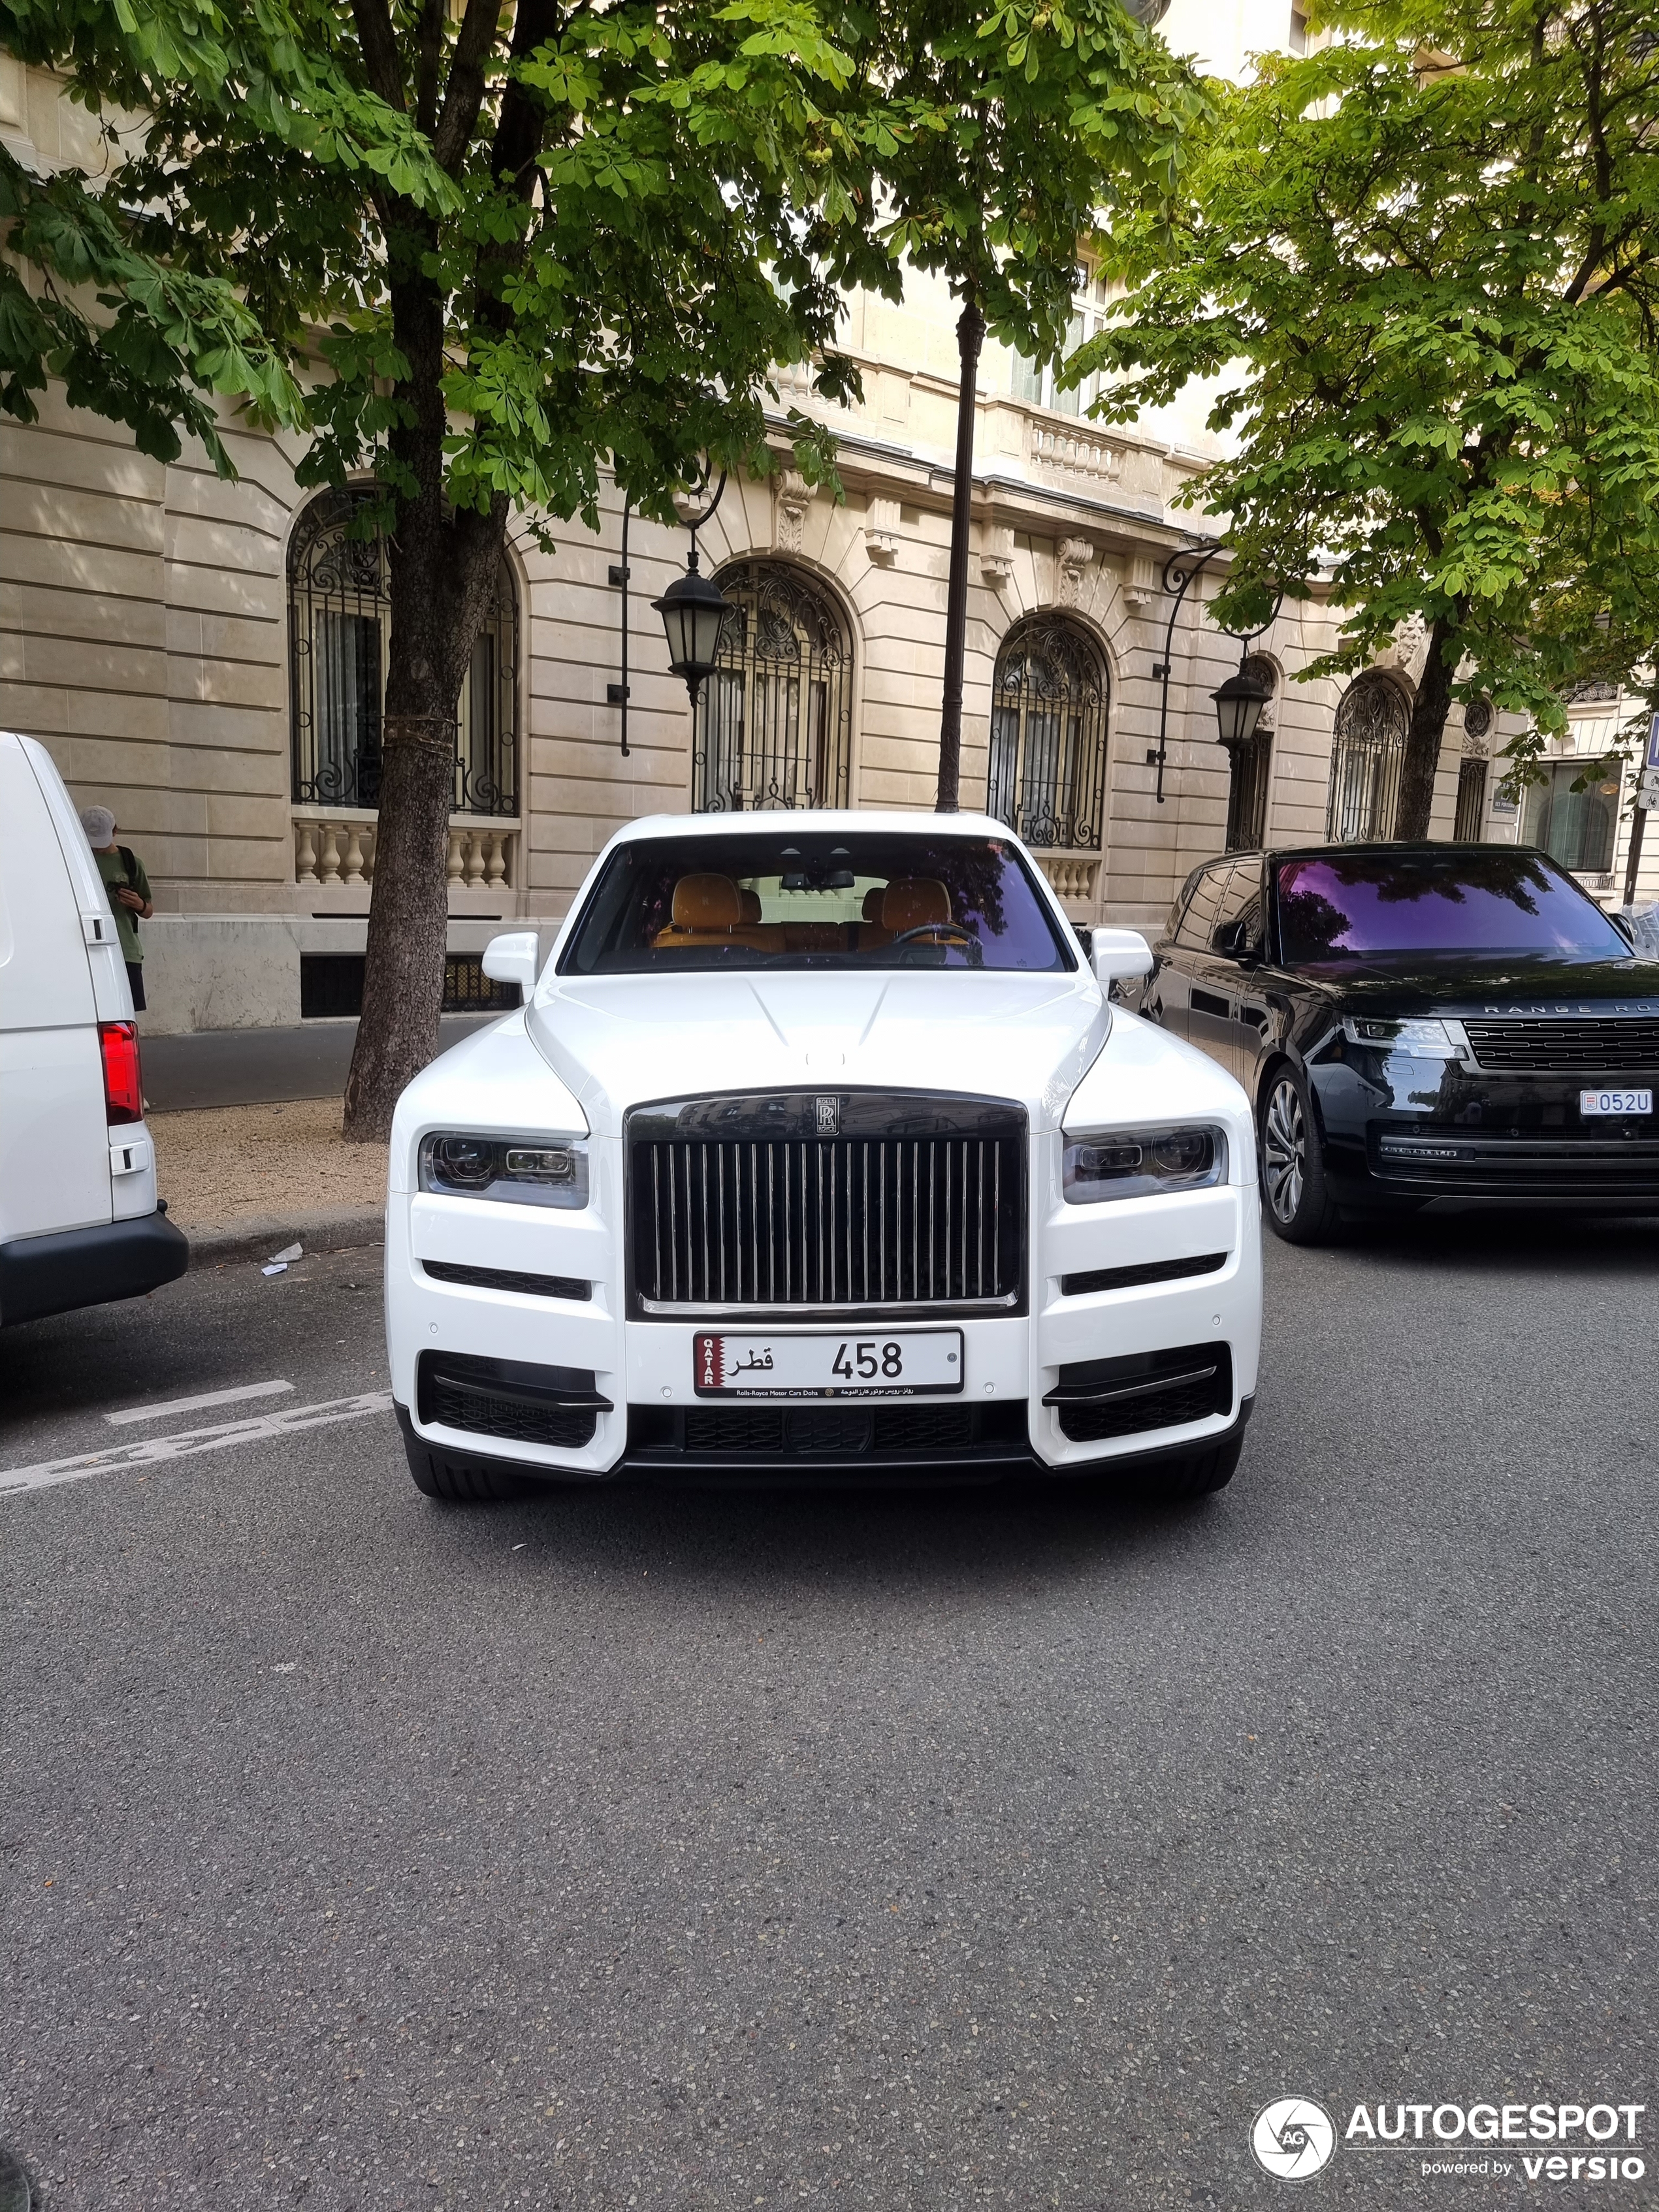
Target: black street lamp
1239	702
693	608
1238	705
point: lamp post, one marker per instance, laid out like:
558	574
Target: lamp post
1239	702
693	609
1238	705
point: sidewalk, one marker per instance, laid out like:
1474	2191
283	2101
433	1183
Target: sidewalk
248	1151
249	1067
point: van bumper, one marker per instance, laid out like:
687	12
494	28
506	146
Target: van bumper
41	1275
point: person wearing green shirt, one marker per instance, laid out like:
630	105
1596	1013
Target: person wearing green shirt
127	887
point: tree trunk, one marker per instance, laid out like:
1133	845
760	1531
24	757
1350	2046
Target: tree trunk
970	334
1421	764
442	568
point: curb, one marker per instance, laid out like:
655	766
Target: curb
339	1228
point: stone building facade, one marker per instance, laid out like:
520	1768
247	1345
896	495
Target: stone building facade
206	657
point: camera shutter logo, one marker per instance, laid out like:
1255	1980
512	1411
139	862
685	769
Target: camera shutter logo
1293	2138
828	1117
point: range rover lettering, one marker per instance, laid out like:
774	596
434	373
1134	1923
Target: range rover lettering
818	1150
1414	1022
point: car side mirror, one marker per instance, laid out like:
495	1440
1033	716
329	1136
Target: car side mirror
1237	940
1625	927
513	959
1117	955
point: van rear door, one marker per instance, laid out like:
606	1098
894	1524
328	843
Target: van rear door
54	1137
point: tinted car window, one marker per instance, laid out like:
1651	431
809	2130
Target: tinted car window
1198	920
1379	904
795	900
1240	897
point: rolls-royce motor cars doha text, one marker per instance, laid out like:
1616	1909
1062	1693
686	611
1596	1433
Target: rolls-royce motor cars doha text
1415	1022
818	1148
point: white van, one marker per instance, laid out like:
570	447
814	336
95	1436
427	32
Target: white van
79	1221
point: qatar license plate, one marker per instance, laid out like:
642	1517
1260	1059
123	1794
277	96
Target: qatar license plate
1615	1102
880	1364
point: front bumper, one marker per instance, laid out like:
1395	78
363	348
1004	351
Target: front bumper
631	1383
871	1471
1397	1128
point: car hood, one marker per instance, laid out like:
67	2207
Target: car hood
1495	985
618	1041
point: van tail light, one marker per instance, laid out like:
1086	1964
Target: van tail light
124	1091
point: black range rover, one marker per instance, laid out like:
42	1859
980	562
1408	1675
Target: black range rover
1417	1022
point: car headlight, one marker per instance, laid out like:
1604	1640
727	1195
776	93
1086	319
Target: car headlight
522	1171
1422	1038
1143	1163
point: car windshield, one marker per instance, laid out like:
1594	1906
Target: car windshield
1377	905
795	899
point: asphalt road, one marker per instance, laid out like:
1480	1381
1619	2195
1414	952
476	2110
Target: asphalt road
672	1851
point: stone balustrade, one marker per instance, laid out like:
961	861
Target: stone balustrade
336	848
1072	879
1071	451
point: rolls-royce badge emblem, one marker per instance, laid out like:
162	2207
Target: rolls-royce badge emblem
828	1117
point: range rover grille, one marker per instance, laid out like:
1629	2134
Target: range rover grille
912	1203
1611	1045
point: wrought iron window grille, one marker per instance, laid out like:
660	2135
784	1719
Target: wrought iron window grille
1367	755
775	720
1047	776
339	604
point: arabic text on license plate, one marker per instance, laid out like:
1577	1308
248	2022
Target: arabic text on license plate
1615	1102
873	1364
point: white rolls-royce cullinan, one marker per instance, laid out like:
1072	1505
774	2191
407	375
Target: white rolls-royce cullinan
818	1151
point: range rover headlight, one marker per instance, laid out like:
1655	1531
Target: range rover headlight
1143	1163
1418	1037
522	1171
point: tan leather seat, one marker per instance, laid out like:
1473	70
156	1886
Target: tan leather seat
912	901
749	901
709	909
872	935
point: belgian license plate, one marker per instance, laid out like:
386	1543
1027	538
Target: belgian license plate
877	1364
1615	1102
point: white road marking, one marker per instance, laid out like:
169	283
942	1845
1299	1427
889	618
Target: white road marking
144	1451
193	1404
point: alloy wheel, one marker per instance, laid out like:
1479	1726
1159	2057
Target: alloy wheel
1284	1150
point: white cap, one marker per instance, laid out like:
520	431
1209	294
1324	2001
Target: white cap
100	825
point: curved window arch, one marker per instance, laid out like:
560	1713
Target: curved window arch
339	614
775	719
1366	757
1047	778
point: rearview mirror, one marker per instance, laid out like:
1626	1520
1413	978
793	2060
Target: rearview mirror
512	959
1115	955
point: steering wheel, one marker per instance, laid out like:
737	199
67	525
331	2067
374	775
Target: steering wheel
954	931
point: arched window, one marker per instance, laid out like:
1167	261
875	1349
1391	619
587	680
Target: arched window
339	612
775	720
1367	758
1252	768
1048	770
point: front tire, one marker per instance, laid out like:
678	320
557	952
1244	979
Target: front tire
1294	1194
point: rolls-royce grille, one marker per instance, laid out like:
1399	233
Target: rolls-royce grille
1614	1045
866	1218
